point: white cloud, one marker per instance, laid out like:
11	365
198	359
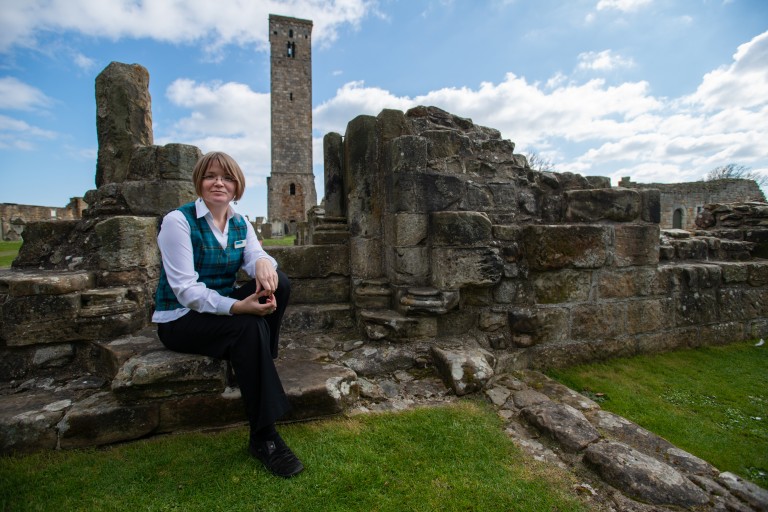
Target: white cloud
16	95
83	62
623	5
216	24
742	84
605	60
18	134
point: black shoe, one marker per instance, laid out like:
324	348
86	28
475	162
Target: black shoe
276	457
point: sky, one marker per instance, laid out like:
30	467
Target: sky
661	91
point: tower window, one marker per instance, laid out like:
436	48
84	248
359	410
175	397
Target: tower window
290	33
293	189
291	47
291	96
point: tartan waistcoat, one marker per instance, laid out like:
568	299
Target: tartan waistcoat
216	267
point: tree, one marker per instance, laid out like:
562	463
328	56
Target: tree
539	163
736	171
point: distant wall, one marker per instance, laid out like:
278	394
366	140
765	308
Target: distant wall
682	202
15	217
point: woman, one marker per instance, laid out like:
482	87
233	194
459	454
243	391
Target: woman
198	310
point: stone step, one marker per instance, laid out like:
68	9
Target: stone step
157	392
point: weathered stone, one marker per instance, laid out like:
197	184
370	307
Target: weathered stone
320	290
563	423
123	118
554	247
316	389
27	421
461	229
454	268
463	371
408	154
755	496
369	361
29	320
302	318
123	243
636	244
365	258
649	315
192	412
170	162
101	419
598	321
312	261
425	301
425	192
616	204
333	202
23	283
410	265
54	356
155	197
643	477
164	373
409	229
563	286
393	326
528	397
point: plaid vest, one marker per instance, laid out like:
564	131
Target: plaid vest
216	267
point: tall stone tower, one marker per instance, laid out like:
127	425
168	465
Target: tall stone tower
291	186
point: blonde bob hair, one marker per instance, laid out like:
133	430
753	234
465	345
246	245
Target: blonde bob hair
227	163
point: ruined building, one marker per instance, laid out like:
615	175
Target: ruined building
14	217
291	186
681	203
437	252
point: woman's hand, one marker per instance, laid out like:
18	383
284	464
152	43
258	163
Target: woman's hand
252	306
266	276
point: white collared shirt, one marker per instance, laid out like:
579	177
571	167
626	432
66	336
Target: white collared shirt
175	245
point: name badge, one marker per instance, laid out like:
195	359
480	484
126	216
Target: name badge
239	244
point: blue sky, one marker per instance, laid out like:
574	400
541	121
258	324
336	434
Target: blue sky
659	90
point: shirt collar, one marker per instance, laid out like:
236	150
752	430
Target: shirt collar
201	210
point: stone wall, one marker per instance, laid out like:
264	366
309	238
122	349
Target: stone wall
681	203
15	217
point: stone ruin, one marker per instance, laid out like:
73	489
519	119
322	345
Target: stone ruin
438	261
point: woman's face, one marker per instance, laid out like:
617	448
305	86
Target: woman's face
218	187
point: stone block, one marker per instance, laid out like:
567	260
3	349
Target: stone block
392	326
156	197
562	286
312	261
170	162
28	420
552	325
333	145
507	232
643	477
194	412
36	319
649	315
164	373
415	300
446	143
127	242
757	273
23	283
42	243
101	419
563	246
425	192
54	356
565	424
650	205
514	291
696	307
107	357
454	268
598	321
320	290
593	205
464	371
721	333
379	359
408	154
365	258
459	229
316	389
733	272
636	244
409	229
409	265
317	317
629	283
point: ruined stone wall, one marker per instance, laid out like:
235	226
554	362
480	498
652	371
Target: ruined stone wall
689	199
15	217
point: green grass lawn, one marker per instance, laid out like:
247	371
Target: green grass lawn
286	240
453	458
8	252
711	402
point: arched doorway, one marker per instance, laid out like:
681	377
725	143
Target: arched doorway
677	219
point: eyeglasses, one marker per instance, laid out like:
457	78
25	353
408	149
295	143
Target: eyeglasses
224	179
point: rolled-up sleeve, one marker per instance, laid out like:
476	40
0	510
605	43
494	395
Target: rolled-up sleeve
254	251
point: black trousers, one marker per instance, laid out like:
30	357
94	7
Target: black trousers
249	342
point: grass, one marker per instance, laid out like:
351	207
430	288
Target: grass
8	252
711	402
286	240
453	458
